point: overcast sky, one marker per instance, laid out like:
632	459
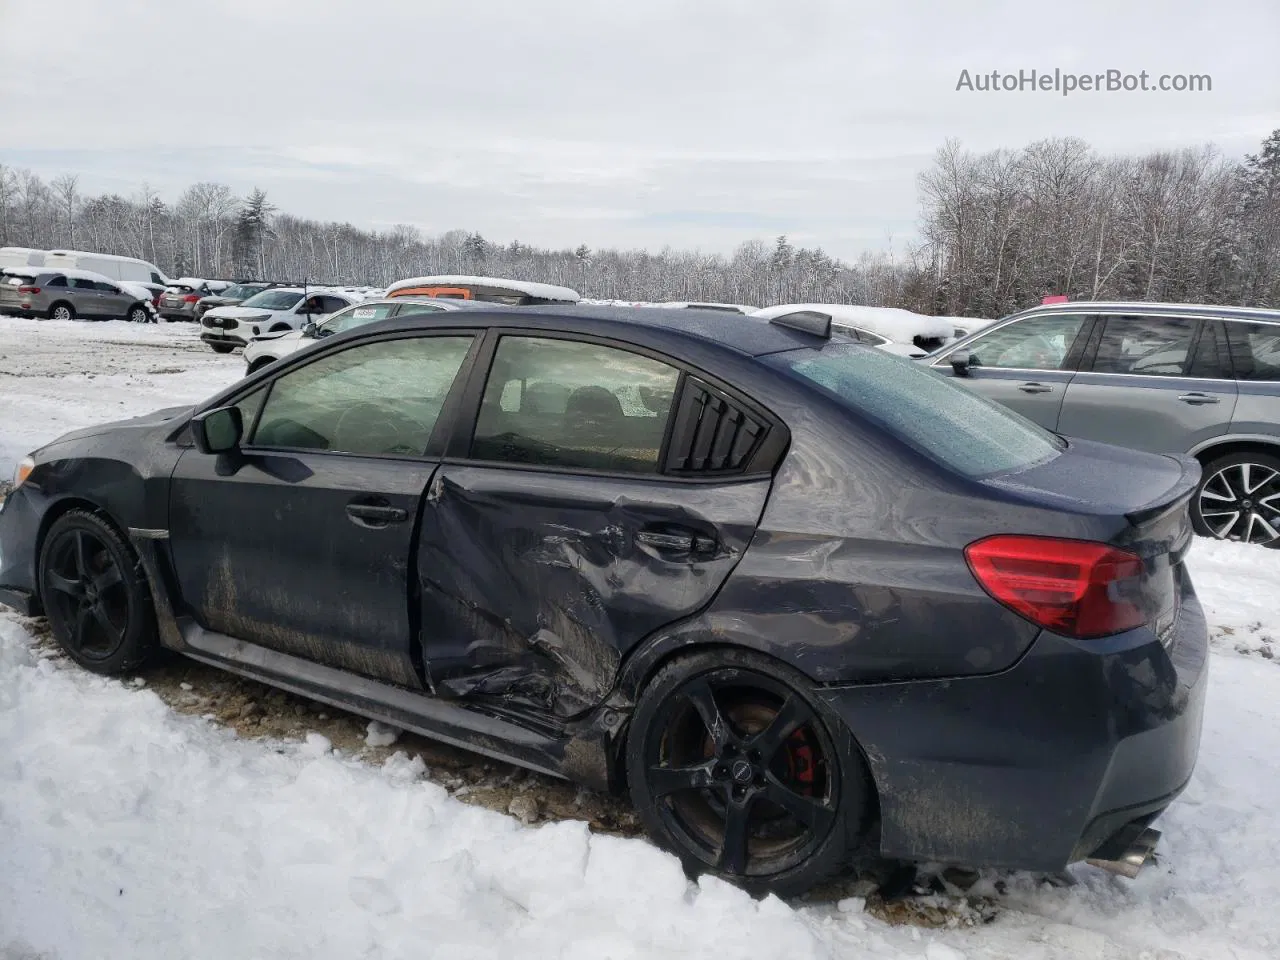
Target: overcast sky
690	123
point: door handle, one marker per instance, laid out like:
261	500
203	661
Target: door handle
1197	399
684	542
1035	388
375	514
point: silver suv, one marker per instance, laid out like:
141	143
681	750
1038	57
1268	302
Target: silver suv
72	294
1166	378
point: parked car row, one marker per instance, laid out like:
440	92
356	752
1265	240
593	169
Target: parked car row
274	310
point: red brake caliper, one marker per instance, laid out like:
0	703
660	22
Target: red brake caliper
800	760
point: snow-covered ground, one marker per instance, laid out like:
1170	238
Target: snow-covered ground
128	830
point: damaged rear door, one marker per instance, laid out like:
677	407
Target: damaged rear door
605	493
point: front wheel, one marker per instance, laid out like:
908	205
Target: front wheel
737	767
1239	499
139	314
97	602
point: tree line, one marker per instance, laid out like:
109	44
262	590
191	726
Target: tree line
998	231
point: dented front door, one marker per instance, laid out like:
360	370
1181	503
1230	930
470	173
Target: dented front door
535	584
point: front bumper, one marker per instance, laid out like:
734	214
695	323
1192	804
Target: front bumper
19	529
215	336
1038	766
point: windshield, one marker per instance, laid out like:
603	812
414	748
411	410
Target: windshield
273	299
355	317
952	425
238	292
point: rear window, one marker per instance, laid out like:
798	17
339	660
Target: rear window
954	426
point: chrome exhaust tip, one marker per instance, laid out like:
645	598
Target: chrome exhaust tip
1130	862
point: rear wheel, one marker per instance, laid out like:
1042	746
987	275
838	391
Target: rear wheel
62	311
740	770
221	347
98	604
1239	499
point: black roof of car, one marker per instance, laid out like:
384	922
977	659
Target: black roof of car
751	336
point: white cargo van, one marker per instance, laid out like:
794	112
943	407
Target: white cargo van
21	257
109	265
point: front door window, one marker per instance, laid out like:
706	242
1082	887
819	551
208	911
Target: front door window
374	399
1036	343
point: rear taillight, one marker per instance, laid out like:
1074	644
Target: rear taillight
1073	587
28	289
190	298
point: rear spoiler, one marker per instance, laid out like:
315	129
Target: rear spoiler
1175	497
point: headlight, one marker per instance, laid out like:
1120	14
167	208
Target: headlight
19	476
24	470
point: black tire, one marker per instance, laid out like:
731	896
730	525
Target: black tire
258	365
138	314
62	311
1239	499
280	328
221	347
95	597
768	780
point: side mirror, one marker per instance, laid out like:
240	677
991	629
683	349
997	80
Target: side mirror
309	329
961	362
217	431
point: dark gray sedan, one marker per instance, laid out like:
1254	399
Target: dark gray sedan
801	599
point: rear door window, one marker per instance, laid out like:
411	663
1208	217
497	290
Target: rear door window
79	283
1145	345
332	304
564	403
1254	349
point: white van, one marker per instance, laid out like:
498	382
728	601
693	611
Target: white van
109	265
21	257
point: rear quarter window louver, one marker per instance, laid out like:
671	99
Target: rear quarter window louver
712	435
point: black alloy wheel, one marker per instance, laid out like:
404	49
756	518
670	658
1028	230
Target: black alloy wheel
99	609
739	771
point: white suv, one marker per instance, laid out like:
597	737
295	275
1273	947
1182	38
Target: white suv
275	310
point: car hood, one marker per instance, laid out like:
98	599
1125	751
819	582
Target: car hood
1098	478
147	421
240	313
280	335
